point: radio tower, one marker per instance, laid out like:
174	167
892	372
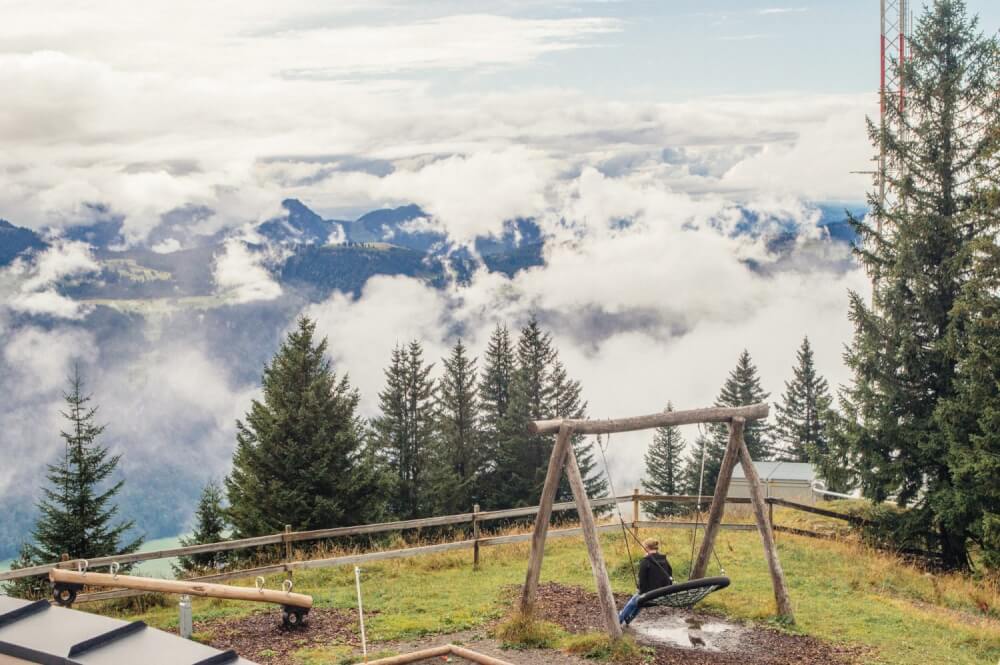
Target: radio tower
895	51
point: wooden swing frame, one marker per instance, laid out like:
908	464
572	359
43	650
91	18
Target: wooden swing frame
564	457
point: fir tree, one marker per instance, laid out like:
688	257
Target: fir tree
210	527
494	400
567	401
742	388
457	465
540	389
971	419
692	474
524	457
77	514
917	249
800	418
665	469
405	430
29	588
300	457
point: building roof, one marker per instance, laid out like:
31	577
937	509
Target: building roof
38	632
789	471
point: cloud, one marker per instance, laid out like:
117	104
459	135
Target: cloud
240	275
770	11
32	282
644	313
744	38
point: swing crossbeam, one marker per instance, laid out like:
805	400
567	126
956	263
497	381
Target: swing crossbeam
651	421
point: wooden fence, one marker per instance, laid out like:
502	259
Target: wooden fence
474	519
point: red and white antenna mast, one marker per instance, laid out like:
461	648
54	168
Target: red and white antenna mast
895	51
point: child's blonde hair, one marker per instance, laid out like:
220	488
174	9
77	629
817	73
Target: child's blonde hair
651	544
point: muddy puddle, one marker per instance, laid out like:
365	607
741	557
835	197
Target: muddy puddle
708	634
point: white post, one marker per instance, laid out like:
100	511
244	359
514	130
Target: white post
186	622
361	613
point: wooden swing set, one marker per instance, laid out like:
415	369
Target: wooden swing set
564	457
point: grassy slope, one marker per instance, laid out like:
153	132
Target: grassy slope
842	593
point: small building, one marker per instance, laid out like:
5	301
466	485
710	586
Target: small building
783	480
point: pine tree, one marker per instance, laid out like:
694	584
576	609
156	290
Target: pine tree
692	473
457	464
665	469
567	401
29	588
494	400
77	513
210	527
540	389
300	457
971	419
523	456
917	249
405	431
742	388
800	418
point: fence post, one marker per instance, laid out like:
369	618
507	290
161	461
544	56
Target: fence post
288	548
475	537
635	512
770	512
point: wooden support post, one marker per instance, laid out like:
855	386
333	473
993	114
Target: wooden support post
719	499
770	514
781	596
635	512
604	594
552	476
288	548
475	537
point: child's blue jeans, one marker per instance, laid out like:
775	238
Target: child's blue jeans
630	610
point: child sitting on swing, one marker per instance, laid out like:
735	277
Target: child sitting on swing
654	572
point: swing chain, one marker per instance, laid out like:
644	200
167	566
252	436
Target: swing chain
614	496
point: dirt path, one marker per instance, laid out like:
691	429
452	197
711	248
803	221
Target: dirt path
665	632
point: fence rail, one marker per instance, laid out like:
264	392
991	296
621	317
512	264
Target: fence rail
474	518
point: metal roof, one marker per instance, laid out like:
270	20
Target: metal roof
791	471
38	632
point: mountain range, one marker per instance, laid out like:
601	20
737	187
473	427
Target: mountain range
163	295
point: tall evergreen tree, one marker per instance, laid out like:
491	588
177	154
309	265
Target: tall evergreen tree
971	419
300	457
77	514
210	527
917	249
692	474
540	389
494	400
524	457
665	469
458	457
800	418
405	430
567	401
742	388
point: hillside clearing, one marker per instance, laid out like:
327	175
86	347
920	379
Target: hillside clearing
844	595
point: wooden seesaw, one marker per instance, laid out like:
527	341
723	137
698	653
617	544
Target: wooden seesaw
66	584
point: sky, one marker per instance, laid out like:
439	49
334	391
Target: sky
578	113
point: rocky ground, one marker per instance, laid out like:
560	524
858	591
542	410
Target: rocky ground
666	632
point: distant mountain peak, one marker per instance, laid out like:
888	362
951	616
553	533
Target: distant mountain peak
299	226
15	240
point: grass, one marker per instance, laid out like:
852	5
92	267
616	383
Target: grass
842	593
